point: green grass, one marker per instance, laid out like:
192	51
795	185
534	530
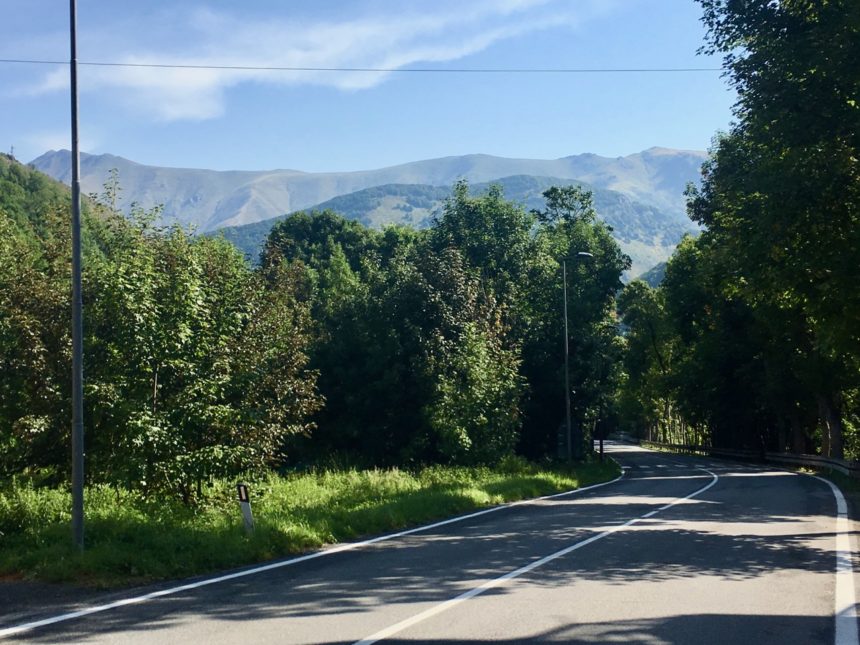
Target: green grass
131	540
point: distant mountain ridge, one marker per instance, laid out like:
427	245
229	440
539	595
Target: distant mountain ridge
645	233
211	199
636	189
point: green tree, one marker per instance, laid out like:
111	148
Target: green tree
495	238
196	365
34	345
648	359
780	194
567	227
309	237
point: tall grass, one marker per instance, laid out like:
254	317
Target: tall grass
132	540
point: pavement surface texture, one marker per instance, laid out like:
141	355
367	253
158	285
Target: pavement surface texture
679	550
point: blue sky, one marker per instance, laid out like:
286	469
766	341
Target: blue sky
323	120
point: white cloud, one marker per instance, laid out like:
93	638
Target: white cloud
446	32
58	140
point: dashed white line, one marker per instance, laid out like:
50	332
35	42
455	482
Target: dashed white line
495	582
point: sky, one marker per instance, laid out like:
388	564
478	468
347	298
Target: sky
314	120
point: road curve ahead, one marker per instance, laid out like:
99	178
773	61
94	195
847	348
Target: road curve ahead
679	550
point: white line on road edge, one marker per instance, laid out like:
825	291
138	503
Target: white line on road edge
25	627
495	582
845	602
845	612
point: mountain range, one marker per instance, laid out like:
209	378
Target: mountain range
645	233
640	195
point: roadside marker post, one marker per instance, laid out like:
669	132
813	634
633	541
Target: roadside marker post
245	504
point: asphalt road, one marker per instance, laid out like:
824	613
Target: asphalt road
679	550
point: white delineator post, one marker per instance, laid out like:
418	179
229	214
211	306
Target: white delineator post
245	504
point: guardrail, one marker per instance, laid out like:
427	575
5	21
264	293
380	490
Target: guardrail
848	468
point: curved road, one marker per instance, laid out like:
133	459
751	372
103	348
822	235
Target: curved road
679	550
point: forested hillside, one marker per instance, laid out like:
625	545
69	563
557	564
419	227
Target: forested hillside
24	192
645	233
654	276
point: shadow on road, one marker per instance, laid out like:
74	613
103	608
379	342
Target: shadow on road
698	629
434	566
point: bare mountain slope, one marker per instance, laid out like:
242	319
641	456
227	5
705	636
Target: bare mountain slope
211	199
644	232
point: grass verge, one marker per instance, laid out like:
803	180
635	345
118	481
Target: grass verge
131	540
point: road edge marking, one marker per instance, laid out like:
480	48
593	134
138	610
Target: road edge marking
496	582
844	598
14	630
844	609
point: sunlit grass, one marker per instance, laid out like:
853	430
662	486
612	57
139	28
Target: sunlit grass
132	540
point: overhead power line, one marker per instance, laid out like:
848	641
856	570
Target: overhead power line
419	70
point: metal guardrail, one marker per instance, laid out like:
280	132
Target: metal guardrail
848	468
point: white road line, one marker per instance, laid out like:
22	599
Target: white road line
136	600
845	612
845	609
495	582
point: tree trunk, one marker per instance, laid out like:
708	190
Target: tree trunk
831	426
666	428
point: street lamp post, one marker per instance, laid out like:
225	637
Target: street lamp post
77	308
581	255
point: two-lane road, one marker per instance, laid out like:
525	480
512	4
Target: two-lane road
679	550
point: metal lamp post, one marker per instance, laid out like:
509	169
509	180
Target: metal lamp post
77	305
581	255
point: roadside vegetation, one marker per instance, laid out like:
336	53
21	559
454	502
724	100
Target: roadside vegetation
436	352
347	345
132	539
752	340
409	373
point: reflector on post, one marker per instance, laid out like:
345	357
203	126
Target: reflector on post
245	504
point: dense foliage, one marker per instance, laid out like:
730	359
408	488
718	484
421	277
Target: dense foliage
445	345
401	346
195	365
753	339
345	345
350	344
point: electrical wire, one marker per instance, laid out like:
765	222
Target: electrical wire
425	70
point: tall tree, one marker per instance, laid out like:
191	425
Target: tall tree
567	227
780	194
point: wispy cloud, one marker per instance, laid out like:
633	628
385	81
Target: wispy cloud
58	140
441	32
